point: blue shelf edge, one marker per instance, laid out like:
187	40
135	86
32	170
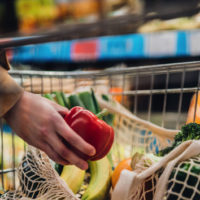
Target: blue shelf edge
165	44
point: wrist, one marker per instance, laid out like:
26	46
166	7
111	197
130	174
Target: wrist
10	92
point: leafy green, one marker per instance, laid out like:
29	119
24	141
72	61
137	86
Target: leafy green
188	132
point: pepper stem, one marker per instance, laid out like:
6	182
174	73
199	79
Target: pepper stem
103	113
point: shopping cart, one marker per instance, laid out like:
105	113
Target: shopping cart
160	94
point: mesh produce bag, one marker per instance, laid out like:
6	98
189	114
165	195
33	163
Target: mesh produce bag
184	181
38	180
175	176
135	133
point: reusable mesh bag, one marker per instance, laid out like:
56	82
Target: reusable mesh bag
175	176
136	134
184	181
38	180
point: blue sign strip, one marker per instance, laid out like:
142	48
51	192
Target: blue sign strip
54	51
118	47
182	49
131	46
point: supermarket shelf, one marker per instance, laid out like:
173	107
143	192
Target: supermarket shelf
109	26
166	44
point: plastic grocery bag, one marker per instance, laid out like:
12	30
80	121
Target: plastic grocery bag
162	179
38	180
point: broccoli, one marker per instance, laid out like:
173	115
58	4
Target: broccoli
185	175
188	132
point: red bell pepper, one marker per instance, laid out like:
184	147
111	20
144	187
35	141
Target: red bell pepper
93	130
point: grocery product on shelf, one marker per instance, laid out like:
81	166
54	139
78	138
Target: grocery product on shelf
85	10
122	7
182	23
39	14
33	14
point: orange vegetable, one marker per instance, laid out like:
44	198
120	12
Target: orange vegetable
117	97
194	106
124	164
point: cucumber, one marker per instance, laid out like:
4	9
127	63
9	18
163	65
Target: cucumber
59	98
86	98
65	100
96	104
48	96
74	100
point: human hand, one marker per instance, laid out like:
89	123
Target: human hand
40	123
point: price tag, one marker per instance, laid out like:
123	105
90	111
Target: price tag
84	50
161	44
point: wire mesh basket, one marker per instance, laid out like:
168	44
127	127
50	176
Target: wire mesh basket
154	97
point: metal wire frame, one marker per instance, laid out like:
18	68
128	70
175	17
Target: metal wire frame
142	87
156	69
132	75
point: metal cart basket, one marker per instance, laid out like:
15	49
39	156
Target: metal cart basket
160	94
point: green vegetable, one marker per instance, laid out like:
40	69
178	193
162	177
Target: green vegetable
59	98
48	96
109	156
65	100
187	172
105	97
58	168
86	98
109	119
74	100
188	132
96	104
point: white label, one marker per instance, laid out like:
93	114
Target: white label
194	43
161	44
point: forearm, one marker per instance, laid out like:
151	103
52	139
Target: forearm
10	92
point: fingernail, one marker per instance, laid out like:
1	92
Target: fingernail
93	152
83	166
